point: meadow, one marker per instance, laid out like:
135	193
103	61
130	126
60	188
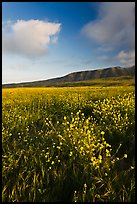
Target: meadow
72	144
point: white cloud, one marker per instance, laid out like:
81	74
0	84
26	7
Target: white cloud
127	58
30	38
123	57
114	28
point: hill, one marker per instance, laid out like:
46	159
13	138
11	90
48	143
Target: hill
82	77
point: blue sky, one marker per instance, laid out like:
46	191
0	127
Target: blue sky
45	40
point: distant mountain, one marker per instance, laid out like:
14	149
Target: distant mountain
79	76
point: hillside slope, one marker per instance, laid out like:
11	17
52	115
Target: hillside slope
79	76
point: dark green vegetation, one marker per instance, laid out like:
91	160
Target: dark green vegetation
68	144
105	82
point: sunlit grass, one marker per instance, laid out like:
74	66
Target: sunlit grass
68	144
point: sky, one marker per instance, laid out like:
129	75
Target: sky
43	40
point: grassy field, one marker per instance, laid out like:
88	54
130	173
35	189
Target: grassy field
104	82
68	144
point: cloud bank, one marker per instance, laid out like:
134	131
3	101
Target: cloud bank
114	29
30	38
127	57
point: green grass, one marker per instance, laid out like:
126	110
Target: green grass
104	82
68	144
